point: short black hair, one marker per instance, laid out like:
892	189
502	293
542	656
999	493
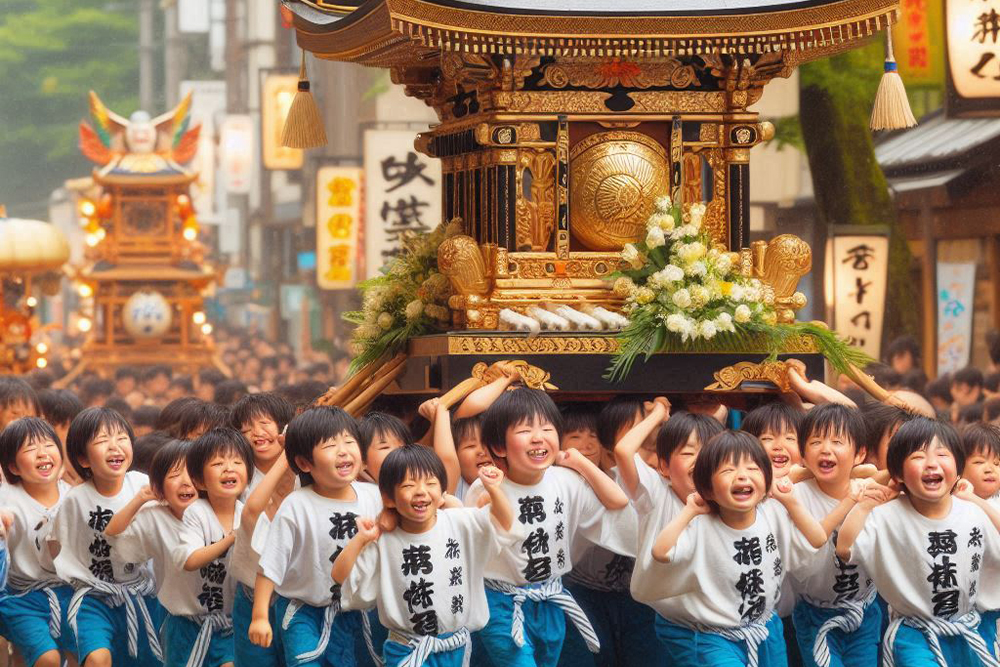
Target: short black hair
991	409
970	414
728	447
970	375
212	376
980	437
303	393
59	406
881	418
146	415
885	376
833	419
415	460
16	390
617	414
145	447
579	417
917	434
184	382
167	456
228	392
96	386
119	405
677	431
172	411
266	404
311	428
127	372
200	416
903	345
775	417
940	388
915	380
19	433
85	427
154	371
465	427
512	408
991	382
218	441
377	423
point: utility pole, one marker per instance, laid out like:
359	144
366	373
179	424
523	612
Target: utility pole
146	52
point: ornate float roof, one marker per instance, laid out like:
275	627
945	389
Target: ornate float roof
397	32
31	246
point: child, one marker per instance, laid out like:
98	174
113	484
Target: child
199	418
580	432
472	455
17	399
33	606
380	434
113	611
308	531
776	426
836	621
141	531
59	407
981	445
426	576
556	506
925	551
883	421
261	418
727	552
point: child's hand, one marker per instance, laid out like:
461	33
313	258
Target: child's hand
387	520
429	408
864	471
260	633
146	494
697	504
6	521
781	490
660	404
571	458
857	490
368	529
965	490
491	477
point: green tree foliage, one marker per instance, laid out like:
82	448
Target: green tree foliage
835	100
51	53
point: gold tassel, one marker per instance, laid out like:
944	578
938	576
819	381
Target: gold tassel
304	124
892	109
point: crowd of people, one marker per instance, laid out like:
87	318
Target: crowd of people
254	527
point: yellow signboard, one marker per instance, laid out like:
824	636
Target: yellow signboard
338	219
918	42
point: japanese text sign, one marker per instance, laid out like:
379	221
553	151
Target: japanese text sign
973	33
858	267
338	219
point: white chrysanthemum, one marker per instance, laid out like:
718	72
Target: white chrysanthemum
663	203
697	269
724	322
682	298
655	238
742	314
673	273
699	295
631	255
664	221
624	287
645	295
385	320
707	329
737	293
367	331
723	264
678	323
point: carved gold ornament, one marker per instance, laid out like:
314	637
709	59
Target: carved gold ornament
615	177
586	73
732	377
536	213
532	376
780	264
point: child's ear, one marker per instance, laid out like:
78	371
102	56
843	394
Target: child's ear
84	463
13	468
388	502
663	467
303	465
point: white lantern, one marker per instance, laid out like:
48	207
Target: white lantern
146	315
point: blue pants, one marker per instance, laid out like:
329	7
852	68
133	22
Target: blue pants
303	631
394	653
988	630
247	653
623	626
544	629
178	638
100	626
26	620
911	650
690	648
855	649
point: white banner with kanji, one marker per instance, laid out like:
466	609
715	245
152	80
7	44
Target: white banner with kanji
859	266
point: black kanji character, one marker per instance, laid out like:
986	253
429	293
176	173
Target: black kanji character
345	526
558	509
618	570
403	173
102	569
751	583
747	551
976	538
753	609
942	543
425	622
457	604
538	569
976	560
211	597
100	518
946	603
858	257
537	542
770	545
942	575
560	531
100	548
406	216
560	559
451	549
532	509
417	560
214	572
419	595
455	578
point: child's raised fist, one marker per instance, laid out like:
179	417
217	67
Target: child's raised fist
368	529
571	458
659	403
965	490
429	408
781	490
491	476
697	504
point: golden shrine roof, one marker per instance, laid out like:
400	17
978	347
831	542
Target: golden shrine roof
398	32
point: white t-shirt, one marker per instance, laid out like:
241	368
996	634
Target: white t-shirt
989	596
429	583
28	554
257	478
555	514
85	555
927	567
826	580
732	577
218	586
305	537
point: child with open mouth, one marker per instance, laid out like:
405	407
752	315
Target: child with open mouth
426	576
926	550
31	459
726	554
114	610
